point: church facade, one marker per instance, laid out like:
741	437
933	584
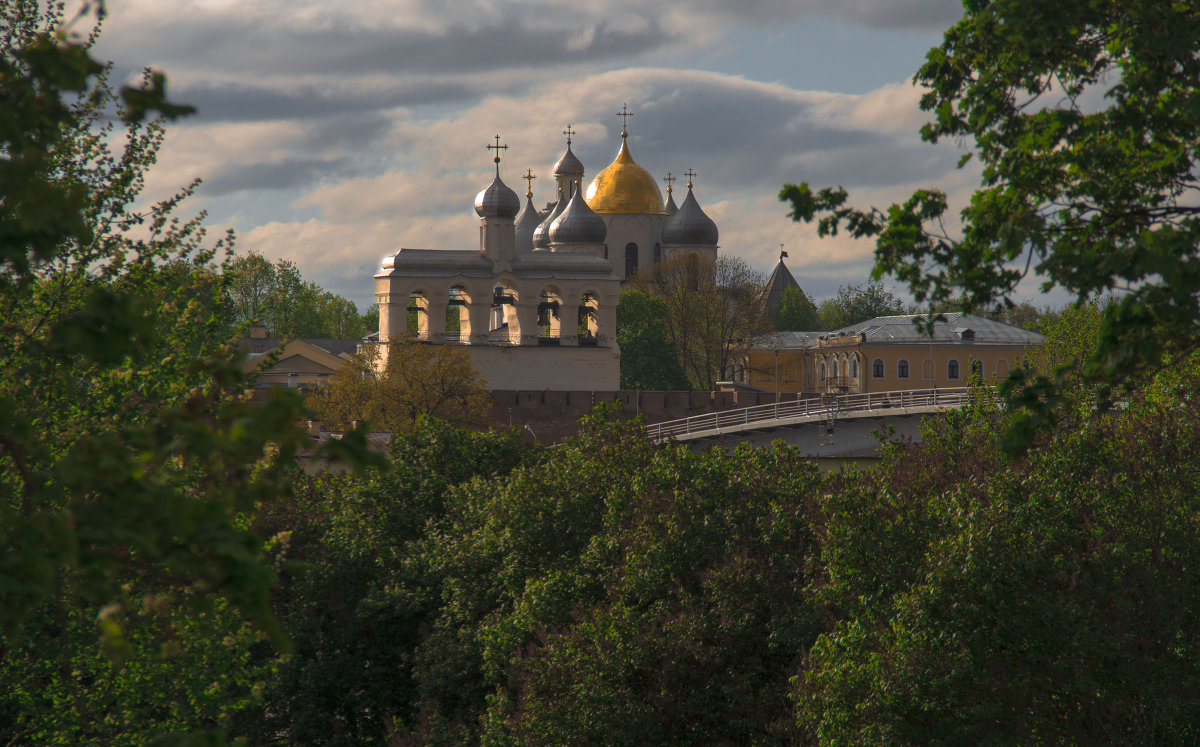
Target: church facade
535	304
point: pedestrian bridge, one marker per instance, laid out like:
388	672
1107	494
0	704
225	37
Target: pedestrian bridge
840	424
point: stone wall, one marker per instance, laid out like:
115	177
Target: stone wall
552	416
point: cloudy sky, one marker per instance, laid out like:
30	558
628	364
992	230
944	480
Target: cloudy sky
332	133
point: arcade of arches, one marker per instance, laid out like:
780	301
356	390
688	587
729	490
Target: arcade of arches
535	305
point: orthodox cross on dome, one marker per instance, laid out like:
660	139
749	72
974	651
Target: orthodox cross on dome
497	147
624	114
569	132
690	175
529	177
669	180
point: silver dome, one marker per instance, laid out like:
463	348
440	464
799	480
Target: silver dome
578	224
672	208
526	223
497	201
569	165
689	226
541	235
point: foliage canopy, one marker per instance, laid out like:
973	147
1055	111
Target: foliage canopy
714	309
418	380
648	358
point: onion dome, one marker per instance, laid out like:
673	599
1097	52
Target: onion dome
578	224
497	201
541	235
569	165
689	226
526	223
672	208
624	187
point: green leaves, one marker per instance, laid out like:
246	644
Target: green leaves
151	97
131	455
1085	119
1044	598
796	311
856	303
107	328
648	359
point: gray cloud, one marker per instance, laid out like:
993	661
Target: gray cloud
267	48
892	14
251	102
292	173
740	135
354	131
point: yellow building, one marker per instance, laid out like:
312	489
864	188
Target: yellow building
886	354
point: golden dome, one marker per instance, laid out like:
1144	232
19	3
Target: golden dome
624	187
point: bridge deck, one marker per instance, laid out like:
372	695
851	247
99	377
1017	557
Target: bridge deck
784	414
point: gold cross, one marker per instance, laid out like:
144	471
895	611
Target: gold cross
569	132
690	175
669	180
497	147
624	114
529	177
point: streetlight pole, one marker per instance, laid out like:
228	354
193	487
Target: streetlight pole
776	375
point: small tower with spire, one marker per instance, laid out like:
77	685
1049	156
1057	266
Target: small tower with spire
568	172
781	280
528	219
496	206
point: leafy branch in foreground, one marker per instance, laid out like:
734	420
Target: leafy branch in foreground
131	456
1085	120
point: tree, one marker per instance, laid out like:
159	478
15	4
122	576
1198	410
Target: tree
419	380
362	591
129	455
648	359
279	298
714	309
796	312
858	303
370	318
1081	116
1040	599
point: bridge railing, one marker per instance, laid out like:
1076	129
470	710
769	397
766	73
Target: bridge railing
825	405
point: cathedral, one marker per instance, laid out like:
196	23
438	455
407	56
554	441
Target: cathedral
535	304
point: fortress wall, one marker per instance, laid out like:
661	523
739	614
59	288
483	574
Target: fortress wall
552	415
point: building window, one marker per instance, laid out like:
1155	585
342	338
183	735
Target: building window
854	368
877	368
902	368
657	252
952	370
977	368
821	370
631	259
